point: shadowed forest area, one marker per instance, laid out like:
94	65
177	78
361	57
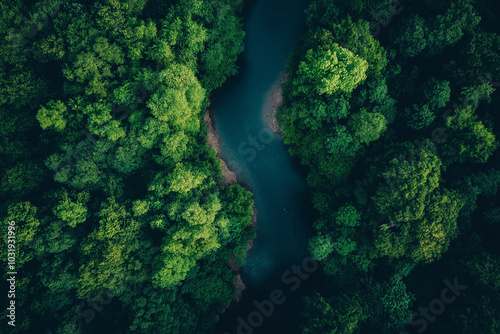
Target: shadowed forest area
113	212
392	106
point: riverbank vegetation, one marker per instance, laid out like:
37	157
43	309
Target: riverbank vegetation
396	120
121	222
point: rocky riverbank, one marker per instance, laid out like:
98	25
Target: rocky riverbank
273	101
228	177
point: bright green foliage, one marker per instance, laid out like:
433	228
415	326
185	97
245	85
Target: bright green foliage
367	127
174	269
438	227
178	99
140	207
175	146
184	245
183	30
72	212
95	69
128	155
329	70
182	179
109	99
108	249
53	116
100	122
356	37
424	238
417	172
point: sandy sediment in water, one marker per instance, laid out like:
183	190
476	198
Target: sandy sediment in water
228	176
273	101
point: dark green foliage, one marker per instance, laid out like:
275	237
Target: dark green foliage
411	41
107	174
338	316
106	169
405	170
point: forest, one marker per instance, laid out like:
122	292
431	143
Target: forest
115	200
393	108
121	224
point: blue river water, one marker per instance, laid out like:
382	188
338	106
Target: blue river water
260	159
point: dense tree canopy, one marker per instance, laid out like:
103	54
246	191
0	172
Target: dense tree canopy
105	166
122	223
403	170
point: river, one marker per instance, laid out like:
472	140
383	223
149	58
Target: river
278	182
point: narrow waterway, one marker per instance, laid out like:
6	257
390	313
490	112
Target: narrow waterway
260	159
